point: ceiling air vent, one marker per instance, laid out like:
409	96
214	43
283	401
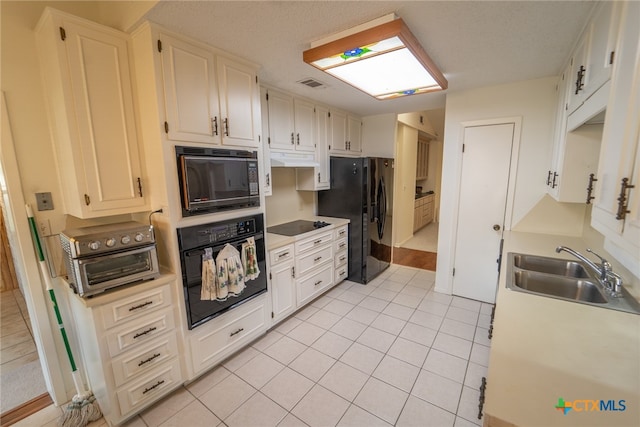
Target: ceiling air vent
312	83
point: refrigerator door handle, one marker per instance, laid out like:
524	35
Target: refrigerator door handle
382	207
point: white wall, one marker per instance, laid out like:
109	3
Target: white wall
534	101
379	135
286	203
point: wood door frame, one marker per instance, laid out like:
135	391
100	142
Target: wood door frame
444	273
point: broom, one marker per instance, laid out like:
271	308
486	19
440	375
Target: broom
83	407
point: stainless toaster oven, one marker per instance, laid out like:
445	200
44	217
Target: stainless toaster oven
103	257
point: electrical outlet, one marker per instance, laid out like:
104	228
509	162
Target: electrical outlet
44	227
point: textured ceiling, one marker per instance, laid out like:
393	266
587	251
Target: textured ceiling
474	43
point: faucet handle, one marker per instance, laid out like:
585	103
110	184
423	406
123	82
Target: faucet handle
605	264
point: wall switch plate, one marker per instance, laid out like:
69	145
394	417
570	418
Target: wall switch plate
45	202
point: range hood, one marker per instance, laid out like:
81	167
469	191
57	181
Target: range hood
293	160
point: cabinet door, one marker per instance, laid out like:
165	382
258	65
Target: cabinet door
619	150
577	76
265	182
304	118
322	147
604	29
282	290
355	134
239	103
338	131
101	88
190	92
281	135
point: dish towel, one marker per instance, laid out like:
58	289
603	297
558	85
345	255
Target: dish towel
230	280
208	291
249	260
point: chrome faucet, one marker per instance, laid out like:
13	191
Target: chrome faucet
611	281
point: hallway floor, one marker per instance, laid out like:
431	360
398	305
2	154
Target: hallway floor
425	239
392	352
20	370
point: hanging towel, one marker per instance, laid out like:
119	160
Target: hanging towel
208	291
230	272
249	260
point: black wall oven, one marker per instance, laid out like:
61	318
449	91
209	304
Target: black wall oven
192	243
213	179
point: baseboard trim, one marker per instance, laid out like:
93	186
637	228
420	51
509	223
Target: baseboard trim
31	407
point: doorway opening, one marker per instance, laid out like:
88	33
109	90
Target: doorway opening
420	168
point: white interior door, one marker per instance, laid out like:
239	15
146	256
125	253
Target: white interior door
486	164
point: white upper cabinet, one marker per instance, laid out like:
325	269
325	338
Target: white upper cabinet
616	210
190	89
239	103
593	58
304	119
346	134
317	178
209	98
291	123
91	113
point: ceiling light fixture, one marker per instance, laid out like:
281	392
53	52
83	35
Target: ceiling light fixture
384	60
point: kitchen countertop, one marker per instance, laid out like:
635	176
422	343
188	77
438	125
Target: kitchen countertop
277	240
421	195
544	349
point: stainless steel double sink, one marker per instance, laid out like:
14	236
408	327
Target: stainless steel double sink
563	279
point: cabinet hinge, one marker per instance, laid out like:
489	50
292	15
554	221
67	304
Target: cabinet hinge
63	34
454	271
270	277
87	200
267	96
293	272
159	45
256	79
463	148
259	138
140	187
166	127
612	56
329	114
269	140
272	315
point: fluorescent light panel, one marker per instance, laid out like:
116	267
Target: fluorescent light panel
385	61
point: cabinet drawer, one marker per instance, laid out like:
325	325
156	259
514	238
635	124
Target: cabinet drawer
306	263
340	245
309	287
313	242
282	254
142	330
149	388
341	273
340	232
141	360
341	258
220	334
137	305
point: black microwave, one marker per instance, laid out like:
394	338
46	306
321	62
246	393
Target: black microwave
214	180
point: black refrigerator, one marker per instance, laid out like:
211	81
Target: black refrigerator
362	191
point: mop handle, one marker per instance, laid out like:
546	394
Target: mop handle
47	280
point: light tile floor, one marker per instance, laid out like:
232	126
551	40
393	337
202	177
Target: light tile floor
393	352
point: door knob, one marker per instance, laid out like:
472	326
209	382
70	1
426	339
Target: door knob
496	227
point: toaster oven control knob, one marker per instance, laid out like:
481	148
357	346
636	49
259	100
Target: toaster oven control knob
138	237
95	245
125	240
111	242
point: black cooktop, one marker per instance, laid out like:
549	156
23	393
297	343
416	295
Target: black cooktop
296	227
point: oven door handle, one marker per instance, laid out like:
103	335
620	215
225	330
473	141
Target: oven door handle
216	249
93	260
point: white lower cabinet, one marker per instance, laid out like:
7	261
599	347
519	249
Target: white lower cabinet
217	339
282	280
301	271
129	347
